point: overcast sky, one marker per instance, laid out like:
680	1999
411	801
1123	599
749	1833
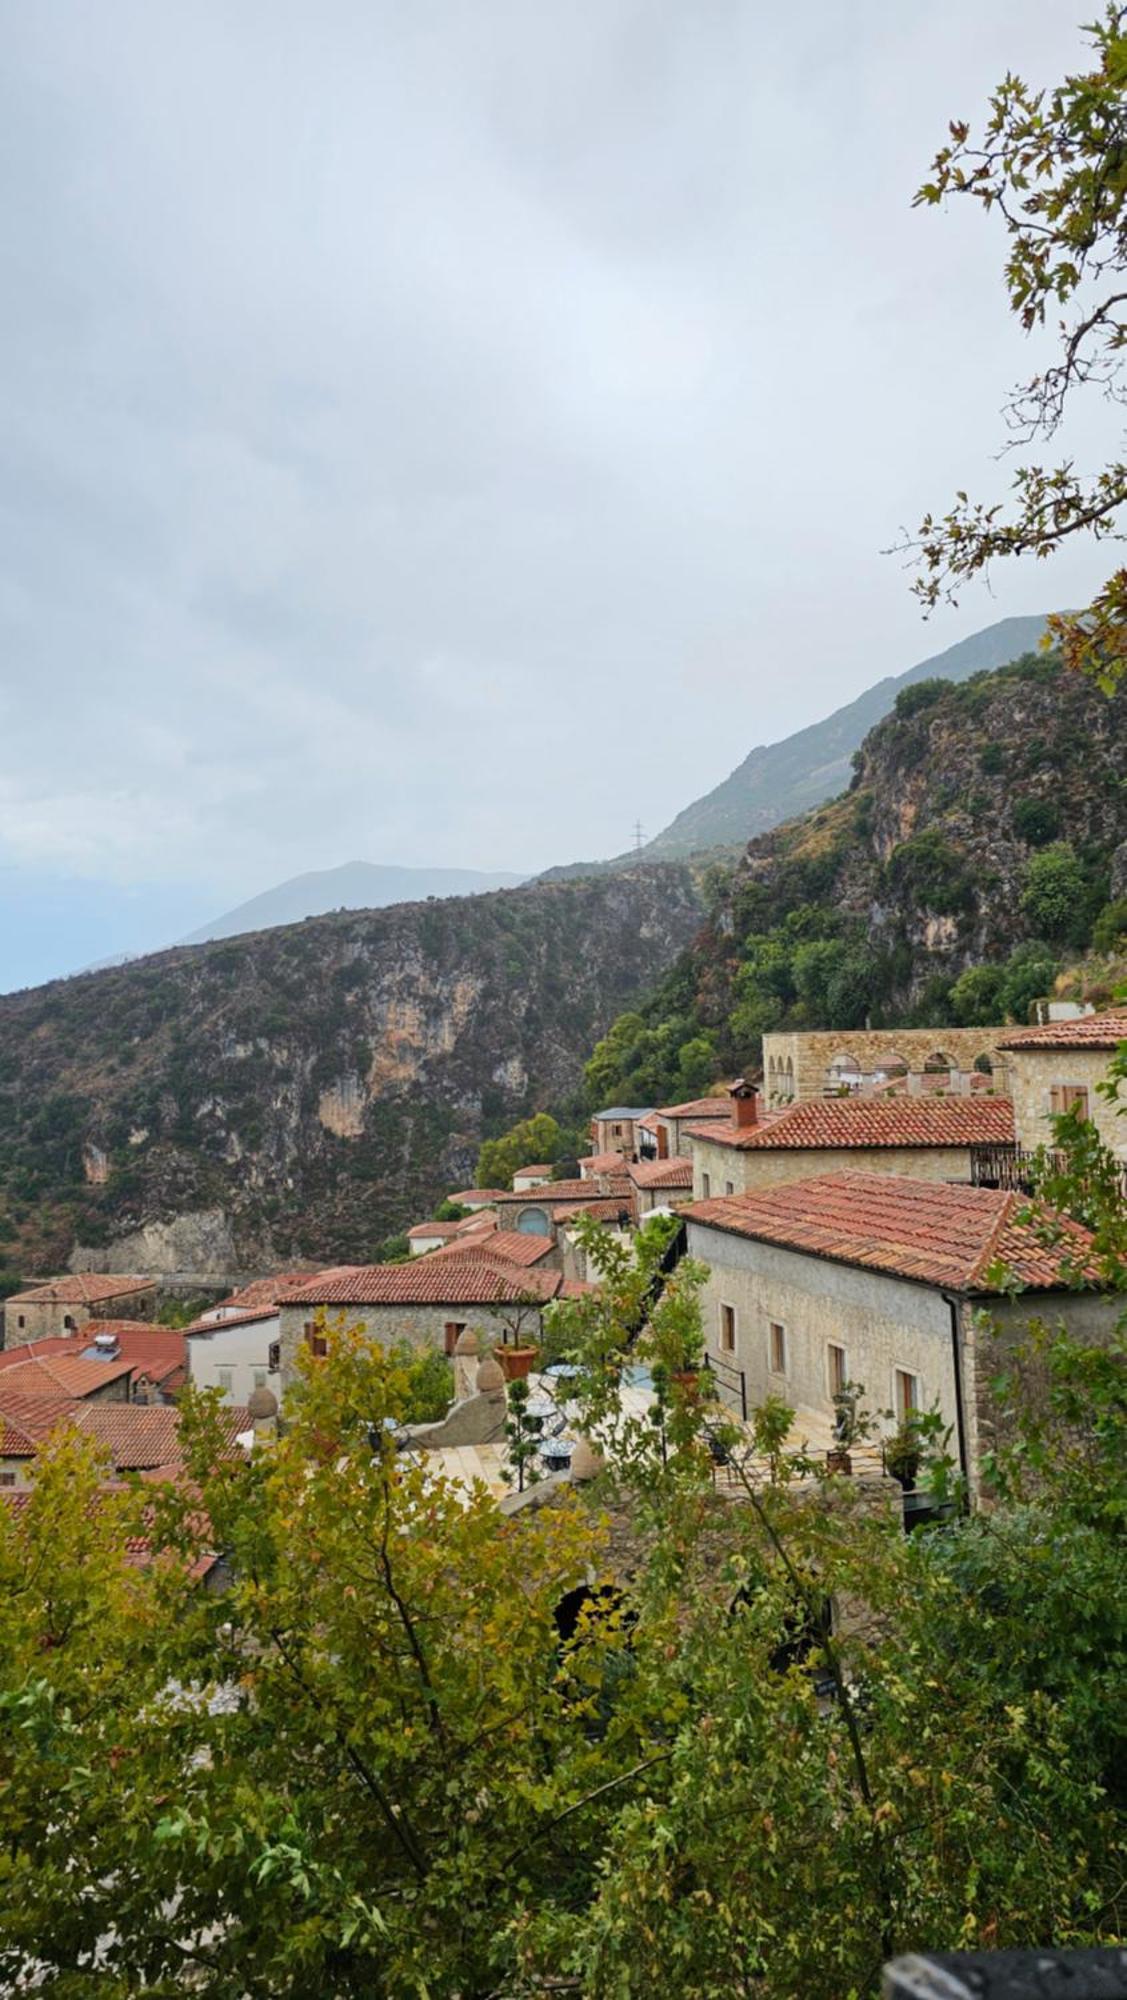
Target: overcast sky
439	433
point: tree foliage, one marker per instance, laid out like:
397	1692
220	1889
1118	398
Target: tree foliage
1050	165
533	1141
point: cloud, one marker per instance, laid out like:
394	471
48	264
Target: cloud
441	433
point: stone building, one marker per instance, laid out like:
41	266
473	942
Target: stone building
63	1305
661	1132
534	1213
658	1183
932	1138
798	1066
428	1302
1059	1067
884	1282
615	1130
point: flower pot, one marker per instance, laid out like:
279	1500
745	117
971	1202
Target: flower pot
838	1460
515	1362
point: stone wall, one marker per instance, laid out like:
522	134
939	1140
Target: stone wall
1034	1073
883	1323
726	1167
42	1320
422	1326
795	1065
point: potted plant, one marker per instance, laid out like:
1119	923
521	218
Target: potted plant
675	1340
902	1452
516	1355
851	1426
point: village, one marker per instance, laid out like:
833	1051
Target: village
861	1214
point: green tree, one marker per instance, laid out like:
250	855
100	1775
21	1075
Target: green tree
976	996
1028	975
1049	165
1056	897
534	1140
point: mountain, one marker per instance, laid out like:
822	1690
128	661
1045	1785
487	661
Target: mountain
777	780
303	1092
986	818
357	885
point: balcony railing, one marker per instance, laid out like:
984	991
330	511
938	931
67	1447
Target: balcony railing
1012	1168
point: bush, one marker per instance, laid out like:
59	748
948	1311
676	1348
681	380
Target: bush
430	1389
992	759
1036	821
1056	895
976	996
920	695
1110	931
932	872
1028	975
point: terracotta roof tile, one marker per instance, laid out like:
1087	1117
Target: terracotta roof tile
439	1230
833	1122
607	1210
138	1436
484	1195
81	1288
931	1231
505	1246
697	1107
154	1351
671	1173
576	1190
265	1291
435	1280
602	1163
63	1375
1091	1031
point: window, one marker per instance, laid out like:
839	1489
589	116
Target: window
259	1375
777	1347
68	1322
729	1187
706	1185
315	1340
274	1356
1069	1097
907	1392
728	1329
21	1321
7	1478
225	1376
837	1367
451	1330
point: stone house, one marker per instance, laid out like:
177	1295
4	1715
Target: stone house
882	1281
534	1213
531	1177
476	1198
136	1437
932	1138
615	1130
1059	1067
427	1302
798	1066
662	1132
658	1183
62	1305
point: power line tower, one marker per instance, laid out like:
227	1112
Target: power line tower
639	832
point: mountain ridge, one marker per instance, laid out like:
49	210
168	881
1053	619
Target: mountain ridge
352	885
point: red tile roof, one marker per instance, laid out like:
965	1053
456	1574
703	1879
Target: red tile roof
547	1170
697	1107
437	1280
81	1288
1091	1031
609	1209
833	1122
155	1351
505	1246
602	1163
440	1230
26	1420
138	1436
465	1196
571	1191
931	1231
63	1375
263	1292
672	1173
200	1327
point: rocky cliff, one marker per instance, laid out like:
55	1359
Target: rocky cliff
302	1092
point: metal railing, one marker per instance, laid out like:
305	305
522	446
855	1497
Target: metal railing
731	1382
1012	1168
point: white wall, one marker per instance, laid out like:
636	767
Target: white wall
243	1349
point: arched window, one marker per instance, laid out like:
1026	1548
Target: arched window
844	1072
533	1222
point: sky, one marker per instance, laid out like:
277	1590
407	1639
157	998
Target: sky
446	433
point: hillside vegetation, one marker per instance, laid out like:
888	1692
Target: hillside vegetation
303	1092
979	847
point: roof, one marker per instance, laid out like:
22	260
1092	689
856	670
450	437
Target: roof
81	1288
464	1280
832	1122
506	1246
576	1190
465	1196
933	1232
674	1173
697	1107
608	1209
204	1328
623	1111
63	1375
545	1168
138	1436
440	1230
262	1292
1090	1031
602	1163
156	1351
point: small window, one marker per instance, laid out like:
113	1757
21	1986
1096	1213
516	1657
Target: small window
225	1377
7	1478
259	1375
1069	1097
729	1187
452	1329
21	1321
728	1329
315	1340
274	1356
907	1393
68	1322
837	1367
777	1344
706	1185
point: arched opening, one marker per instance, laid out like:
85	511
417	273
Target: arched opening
533	1222
789	1090
984	1064
891	1071
844	1073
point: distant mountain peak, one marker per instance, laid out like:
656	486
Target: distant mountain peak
355	885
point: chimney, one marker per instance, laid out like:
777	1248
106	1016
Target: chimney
745	1104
